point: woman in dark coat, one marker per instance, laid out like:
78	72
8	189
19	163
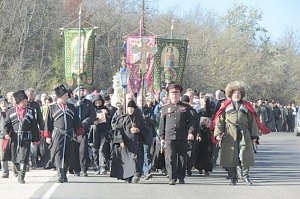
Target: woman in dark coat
203	154
125	141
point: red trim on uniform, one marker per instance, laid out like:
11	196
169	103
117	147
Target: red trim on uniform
261	126
46	134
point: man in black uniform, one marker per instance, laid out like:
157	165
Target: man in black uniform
175	128
61	126
21	127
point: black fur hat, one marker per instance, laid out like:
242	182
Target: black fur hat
60	90
19	96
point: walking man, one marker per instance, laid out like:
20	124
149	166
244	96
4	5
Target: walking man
175	128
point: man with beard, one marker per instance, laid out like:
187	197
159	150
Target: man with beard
61	126
127	130
21	127
237	127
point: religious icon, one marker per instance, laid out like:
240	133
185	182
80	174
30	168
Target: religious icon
101	117
169	61
169	58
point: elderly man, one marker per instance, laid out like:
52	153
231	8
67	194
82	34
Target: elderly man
237	127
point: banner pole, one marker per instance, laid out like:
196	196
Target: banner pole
172	27
79	52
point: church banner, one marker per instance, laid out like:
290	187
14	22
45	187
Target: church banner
169	61
139	59
72	55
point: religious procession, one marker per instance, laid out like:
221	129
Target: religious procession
145	122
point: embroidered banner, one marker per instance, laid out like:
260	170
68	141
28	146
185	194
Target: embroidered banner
139	60
72	55
169	61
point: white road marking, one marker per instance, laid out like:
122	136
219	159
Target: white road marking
50	191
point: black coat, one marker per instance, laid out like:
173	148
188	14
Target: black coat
87	113
57	123
5	154
124	159
20	145
176	121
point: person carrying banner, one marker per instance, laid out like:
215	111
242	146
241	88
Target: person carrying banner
62	125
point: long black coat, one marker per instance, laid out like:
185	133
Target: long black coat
20	146
61	121
124	159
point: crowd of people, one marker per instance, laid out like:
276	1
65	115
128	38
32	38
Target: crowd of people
171	132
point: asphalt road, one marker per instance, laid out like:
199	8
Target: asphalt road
275	176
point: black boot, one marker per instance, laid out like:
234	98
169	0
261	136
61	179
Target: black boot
60	174
65	175
22	172
33	165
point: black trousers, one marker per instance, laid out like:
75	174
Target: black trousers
190	154
81	156
21	154
176	158
101	153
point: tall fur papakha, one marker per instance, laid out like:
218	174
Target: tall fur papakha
235	86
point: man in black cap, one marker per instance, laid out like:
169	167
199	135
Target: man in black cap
62	125
21	127
175	128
